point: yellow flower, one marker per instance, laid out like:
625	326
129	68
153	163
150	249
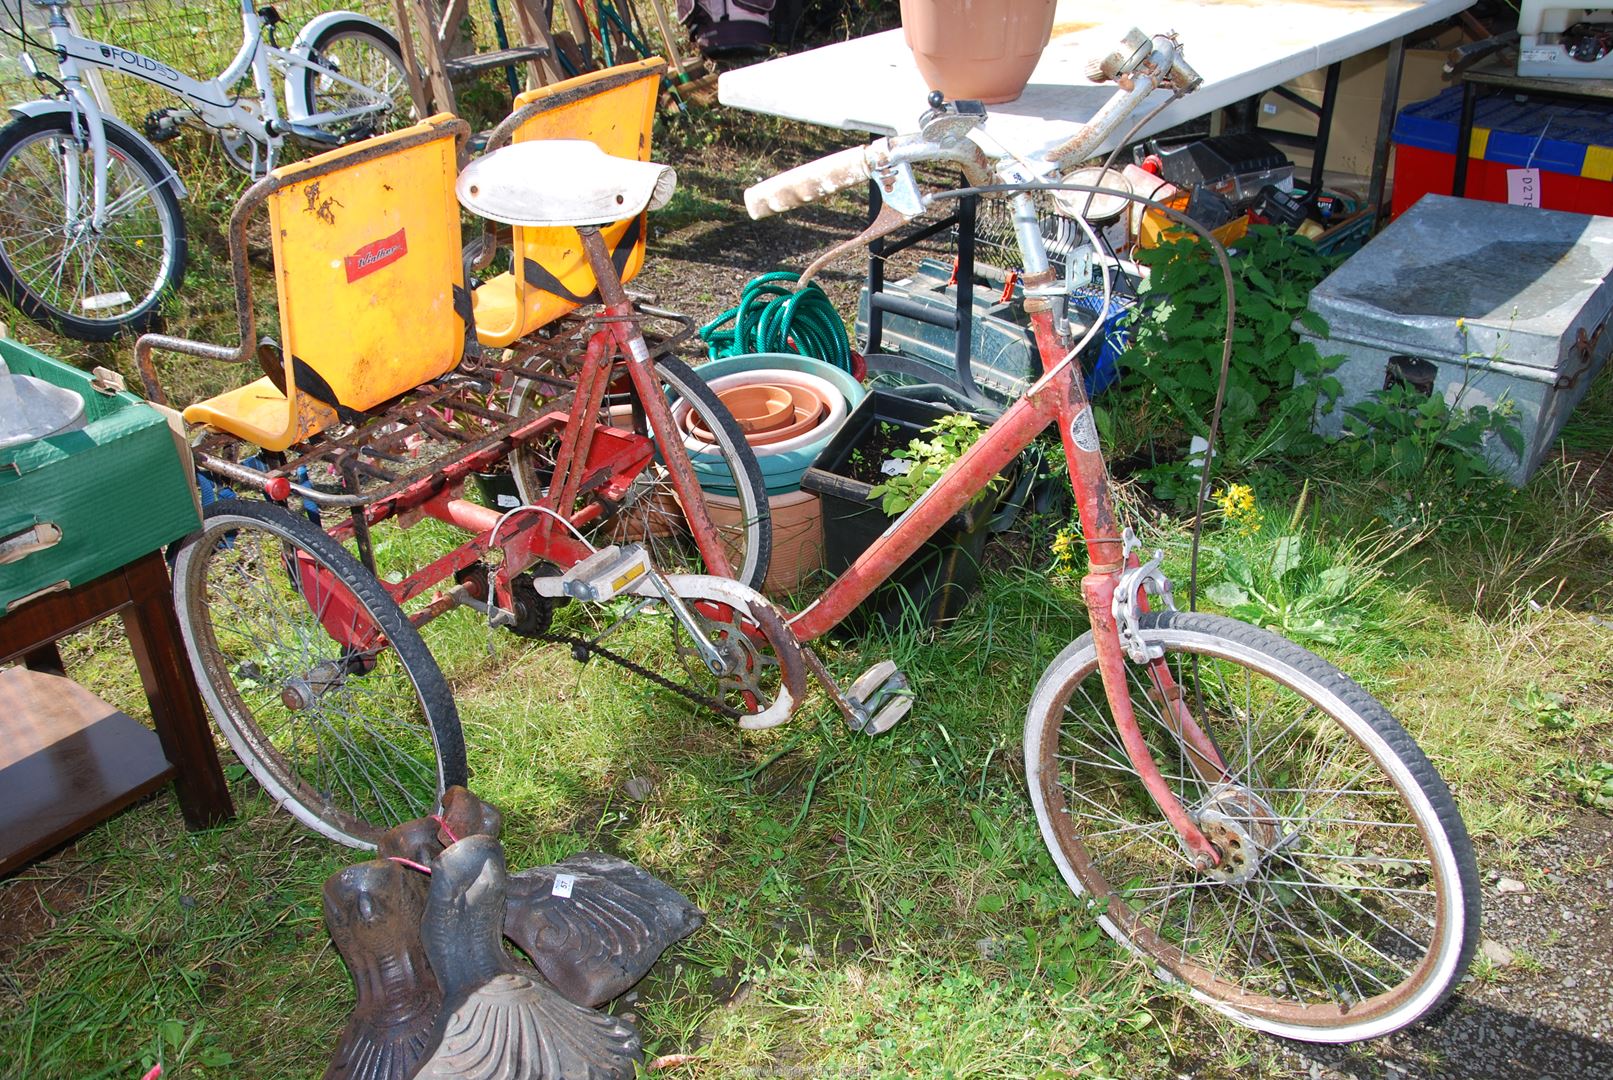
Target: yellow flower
1066	542
1237	506
1461	326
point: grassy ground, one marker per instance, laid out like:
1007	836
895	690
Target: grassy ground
875	908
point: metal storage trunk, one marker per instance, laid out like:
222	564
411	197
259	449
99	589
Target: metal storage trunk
1480	303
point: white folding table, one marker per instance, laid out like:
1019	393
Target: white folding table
1242	48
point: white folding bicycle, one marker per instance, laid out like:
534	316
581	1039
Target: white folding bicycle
91	235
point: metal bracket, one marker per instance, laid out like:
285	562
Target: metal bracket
1144	578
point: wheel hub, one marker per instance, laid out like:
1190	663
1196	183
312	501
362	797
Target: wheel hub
1242	827
304	692
297	695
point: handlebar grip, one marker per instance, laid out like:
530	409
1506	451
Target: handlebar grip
805	183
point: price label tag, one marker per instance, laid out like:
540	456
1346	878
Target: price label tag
562	885
1523	187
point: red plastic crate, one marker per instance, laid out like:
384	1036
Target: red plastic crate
1419	172
1570	142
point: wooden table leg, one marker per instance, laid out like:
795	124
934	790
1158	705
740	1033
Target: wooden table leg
176	707
46	658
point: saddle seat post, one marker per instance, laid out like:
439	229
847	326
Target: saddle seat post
624	329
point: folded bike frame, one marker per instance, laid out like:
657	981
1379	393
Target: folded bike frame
213	100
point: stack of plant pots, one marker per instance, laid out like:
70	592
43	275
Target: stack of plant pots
788	407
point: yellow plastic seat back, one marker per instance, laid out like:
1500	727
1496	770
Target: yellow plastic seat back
614	109
368	271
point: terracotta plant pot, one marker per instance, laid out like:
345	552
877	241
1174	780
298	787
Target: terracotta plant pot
809	410
797	536
758	408
980	49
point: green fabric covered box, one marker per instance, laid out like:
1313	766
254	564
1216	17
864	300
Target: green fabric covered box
77	505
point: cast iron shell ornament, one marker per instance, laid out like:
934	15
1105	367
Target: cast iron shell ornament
438	995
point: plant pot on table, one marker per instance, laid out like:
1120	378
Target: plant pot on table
981	49
940	577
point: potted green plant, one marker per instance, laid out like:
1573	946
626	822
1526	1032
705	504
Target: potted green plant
889	452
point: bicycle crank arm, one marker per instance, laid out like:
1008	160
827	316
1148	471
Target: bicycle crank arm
770	630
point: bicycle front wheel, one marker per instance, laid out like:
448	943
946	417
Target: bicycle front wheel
651	512
1346	906
56	265
322	686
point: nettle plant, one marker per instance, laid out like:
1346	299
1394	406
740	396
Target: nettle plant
1175	355
1409	435
928	456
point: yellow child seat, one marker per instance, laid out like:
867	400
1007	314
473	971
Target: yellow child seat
615	110
367	265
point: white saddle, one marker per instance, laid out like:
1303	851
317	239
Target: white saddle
549	182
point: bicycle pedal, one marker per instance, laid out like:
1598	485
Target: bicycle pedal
880	698
604	574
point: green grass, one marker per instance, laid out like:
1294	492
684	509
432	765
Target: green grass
875	907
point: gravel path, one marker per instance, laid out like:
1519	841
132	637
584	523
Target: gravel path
1540	1003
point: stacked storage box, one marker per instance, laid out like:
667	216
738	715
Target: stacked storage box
80	504
1571	143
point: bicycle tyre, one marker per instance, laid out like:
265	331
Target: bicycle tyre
142	208
1354	973
385	54
652	514
286	701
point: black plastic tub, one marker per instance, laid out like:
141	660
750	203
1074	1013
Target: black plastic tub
938	580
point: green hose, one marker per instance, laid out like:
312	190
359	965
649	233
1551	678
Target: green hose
772	317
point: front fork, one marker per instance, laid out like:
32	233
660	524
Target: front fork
1108	559
89	115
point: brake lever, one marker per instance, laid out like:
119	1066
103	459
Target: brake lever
900	201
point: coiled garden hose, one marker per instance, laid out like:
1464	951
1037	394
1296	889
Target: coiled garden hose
773	317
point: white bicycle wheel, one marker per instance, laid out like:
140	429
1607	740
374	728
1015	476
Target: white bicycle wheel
1346	906
57	266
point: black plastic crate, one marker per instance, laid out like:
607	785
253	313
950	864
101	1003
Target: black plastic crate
939	578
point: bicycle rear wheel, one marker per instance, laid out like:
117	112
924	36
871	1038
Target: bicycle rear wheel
651	512
356	50
322	686
1347	903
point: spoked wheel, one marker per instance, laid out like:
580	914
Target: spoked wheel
354	49
322	686
1346	905
651	512
89	282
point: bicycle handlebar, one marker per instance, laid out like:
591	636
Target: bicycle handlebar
1142	65
806	183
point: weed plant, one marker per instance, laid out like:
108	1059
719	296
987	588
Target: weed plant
1174	361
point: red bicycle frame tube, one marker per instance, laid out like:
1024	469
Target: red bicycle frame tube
1059	395
622	326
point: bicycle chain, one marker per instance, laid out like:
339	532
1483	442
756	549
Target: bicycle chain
582	648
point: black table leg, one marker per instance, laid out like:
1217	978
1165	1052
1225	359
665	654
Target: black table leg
1464	138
